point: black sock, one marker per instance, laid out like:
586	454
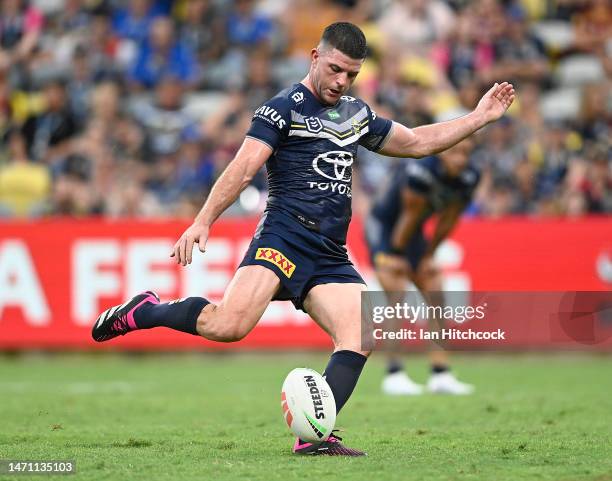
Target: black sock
181	315
342	373
394	366
439	368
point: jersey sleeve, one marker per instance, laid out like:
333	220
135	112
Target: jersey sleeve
271	122
418	178
378	131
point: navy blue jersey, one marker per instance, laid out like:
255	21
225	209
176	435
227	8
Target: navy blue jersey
426	177
314	146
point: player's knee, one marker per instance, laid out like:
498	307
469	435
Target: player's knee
235	332
223	333
224	326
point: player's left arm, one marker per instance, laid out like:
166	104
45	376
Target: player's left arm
431	139
447	221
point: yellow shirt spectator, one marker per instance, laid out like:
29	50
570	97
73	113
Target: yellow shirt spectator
23	186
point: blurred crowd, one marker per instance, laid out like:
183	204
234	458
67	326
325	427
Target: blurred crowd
133	108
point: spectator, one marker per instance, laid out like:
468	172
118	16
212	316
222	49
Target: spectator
593	26
128	198
110	130
5	102
24	185
202	30
80	84
20	29
417	23
49	134
557	157
73	17
186	178
302	29
519	56
596	113
593	180
465	56
526	187
195	171
245	28
499	152
65	31
501	200
488	19
259	83
73	197
134	21
162	55
164	120
102	47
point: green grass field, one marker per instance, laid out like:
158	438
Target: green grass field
219	417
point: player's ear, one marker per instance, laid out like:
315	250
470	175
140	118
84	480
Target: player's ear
314	55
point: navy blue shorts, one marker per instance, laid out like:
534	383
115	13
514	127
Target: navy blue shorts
378	238
300	257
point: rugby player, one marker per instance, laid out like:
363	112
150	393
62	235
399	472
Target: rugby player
307	136
400	252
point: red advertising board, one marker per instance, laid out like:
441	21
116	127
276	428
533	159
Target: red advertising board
57	275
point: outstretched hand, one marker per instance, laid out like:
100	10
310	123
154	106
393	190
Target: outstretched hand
496	101
183	249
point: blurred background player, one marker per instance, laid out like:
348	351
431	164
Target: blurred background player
401	252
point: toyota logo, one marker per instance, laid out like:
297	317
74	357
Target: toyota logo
341	162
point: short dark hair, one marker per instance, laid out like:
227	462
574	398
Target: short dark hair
346	37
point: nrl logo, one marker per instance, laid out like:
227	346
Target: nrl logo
313	124
341	162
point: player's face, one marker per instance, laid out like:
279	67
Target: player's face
456	158
333	73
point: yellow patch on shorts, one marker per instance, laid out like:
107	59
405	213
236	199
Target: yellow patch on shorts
277	258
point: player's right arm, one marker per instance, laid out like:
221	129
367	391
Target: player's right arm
413	209
235	178
269	127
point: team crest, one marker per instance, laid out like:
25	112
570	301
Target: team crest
356	127
277	258
313	124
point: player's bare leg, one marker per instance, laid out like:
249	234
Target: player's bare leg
243	304
337	309
442	380
392	274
